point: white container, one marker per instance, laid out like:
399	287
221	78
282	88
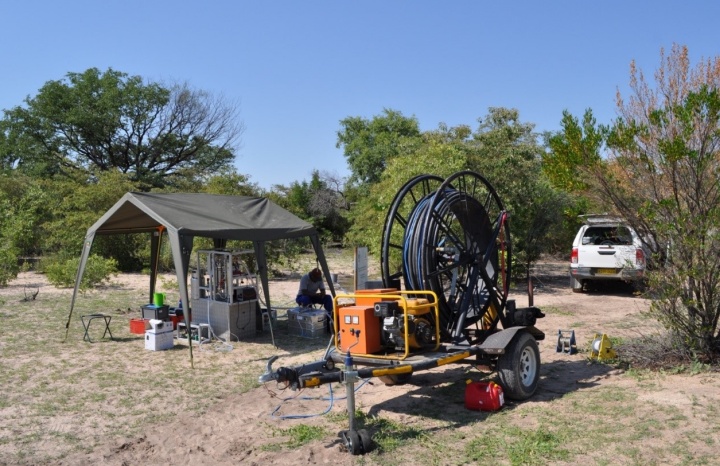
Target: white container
159	341
159	326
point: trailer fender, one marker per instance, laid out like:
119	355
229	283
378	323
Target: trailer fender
498	342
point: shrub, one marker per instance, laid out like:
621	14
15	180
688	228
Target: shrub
61	272
8	264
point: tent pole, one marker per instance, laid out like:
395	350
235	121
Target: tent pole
78	278
181	250
262	269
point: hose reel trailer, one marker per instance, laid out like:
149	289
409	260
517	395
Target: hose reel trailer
446	258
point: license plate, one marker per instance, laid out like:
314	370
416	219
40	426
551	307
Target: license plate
605	271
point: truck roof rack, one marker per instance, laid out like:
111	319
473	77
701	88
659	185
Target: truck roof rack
600	219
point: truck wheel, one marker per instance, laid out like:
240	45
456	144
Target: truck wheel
519	367
577	285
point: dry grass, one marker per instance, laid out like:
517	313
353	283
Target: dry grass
113	402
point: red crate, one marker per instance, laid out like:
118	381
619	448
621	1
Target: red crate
175	319
138	326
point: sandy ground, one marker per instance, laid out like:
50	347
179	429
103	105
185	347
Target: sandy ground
231	436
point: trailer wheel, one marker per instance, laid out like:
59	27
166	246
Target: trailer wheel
353	442
395	379
356	442
519	367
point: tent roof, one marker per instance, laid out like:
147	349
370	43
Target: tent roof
206	215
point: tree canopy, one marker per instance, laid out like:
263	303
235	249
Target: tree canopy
102	121
503	149
368	145
663	177
660	174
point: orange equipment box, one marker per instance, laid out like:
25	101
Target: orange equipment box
360	318
361	301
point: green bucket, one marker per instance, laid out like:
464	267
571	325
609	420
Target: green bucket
158	299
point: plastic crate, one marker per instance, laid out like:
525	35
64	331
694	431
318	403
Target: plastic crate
138	326
307	322
151	311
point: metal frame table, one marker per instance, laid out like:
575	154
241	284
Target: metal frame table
90	318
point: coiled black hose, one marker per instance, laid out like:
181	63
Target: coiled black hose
443	238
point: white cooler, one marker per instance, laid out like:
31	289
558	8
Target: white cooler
160	336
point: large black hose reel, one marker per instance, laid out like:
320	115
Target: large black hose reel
451	237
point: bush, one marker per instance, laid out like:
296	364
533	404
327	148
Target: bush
62	272
8	264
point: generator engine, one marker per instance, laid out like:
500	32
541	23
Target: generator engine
397	323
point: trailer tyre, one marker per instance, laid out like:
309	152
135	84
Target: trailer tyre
519	367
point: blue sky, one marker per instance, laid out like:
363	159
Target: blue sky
297	68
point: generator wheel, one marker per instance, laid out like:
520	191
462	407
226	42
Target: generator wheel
519	367
395	379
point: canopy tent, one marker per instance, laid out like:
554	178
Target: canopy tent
185	216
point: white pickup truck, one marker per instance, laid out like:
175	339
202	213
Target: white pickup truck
606	249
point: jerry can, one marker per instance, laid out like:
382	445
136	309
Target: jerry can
483	396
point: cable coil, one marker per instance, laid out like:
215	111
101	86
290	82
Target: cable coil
453	236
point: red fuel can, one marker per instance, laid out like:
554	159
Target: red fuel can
484	396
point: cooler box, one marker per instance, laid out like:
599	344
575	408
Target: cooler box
151	311
306	322
159	340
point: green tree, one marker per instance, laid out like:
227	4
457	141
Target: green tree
230	182
368	145
663	177
321	201
436	156
569	164
507	152
103	121
76	205
573	149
